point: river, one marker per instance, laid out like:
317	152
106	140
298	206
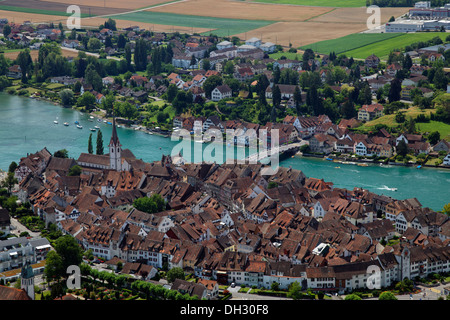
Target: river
26	126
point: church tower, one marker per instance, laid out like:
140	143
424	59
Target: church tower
115	150
27	280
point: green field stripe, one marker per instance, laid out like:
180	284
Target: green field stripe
41	11
318	3
383	48
221	26
349	42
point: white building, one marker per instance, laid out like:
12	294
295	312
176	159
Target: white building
405	26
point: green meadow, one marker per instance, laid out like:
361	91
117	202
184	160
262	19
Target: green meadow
382	48
40	11
218	26
319	3
350	42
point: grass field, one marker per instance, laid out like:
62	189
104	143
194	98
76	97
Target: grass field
383	48
350	42
389	120
218	26
319	3
288	55
443	128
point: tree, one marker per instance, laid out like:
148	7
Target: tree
75	171
140	55
154	203
402	148
10	181
394	90
86	100
294	291
210	83
93	78
66	96
54	267
276	96
69	251
434	137
128	55
94	44
175	273
90	148
172	91
12	166
99	149
400	117
121	41
63	153
446	209
6	30
26	64
387	295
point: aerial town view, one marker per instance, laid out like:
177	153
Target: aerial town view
212	152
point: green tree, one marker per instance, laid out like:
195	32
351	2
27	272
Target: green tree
75	171
210	83
63	153
140	55
54	267
86	100
394	90
154	203
295	291
446	209
94	44
90	147
10	181
175	273
402	148
276	96
387	295
99	149
6	30
434	137
69	251
66	96
12	166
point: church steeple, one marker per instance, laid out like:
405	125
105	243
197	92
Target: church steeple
27	279
115	149
114	138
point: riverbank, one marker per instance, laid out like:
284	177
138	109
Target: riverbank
365	161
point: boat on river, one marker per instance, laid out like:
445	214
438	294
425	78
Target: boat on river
66	124
79	126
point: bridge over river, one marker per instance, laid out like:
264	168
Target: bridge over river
261	155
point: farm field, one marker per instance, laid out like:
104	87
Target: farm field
358	15
242	10
383	48
302	33
349	42
52	8
320	3
129	4
218	26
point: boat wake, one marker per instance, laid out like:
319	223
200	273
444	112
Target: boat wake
387	188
